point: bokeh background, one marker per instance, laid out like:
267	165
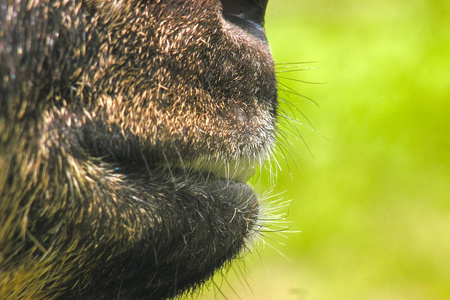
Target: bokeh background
367	168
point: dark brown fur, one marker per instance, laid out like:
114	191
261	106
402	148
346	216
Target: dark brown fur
112	114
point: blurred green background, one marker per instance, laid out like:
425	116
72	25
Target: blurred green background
368	171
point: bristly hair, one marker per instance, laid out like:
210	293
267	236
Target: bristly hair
274	226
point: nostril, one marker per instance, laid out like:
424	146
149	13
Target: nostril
247	14
250	10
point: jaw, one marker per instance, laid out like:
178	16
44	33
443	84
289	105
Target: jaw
129	232
127	229
172	230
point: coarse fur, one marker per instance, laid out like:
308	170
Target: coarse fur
114	119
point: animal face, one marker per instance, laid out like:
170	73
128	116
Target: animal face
127	132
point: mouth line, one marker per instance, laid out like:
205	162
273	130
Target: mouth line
239	169
236	170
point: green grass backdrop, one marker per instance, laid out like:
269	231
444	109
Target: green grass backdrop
368	171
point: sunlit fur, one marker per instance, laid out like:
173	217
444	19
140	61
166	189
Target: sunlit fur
111	113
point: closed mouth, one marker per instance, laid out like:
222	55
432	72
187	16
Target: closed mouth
240	171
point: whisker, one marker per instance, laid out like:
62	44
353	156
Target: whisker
296	70
278	251
296	63
242	275
292	91
298	80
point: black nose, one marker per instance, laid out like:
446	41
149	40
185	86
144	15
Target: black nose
247	14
